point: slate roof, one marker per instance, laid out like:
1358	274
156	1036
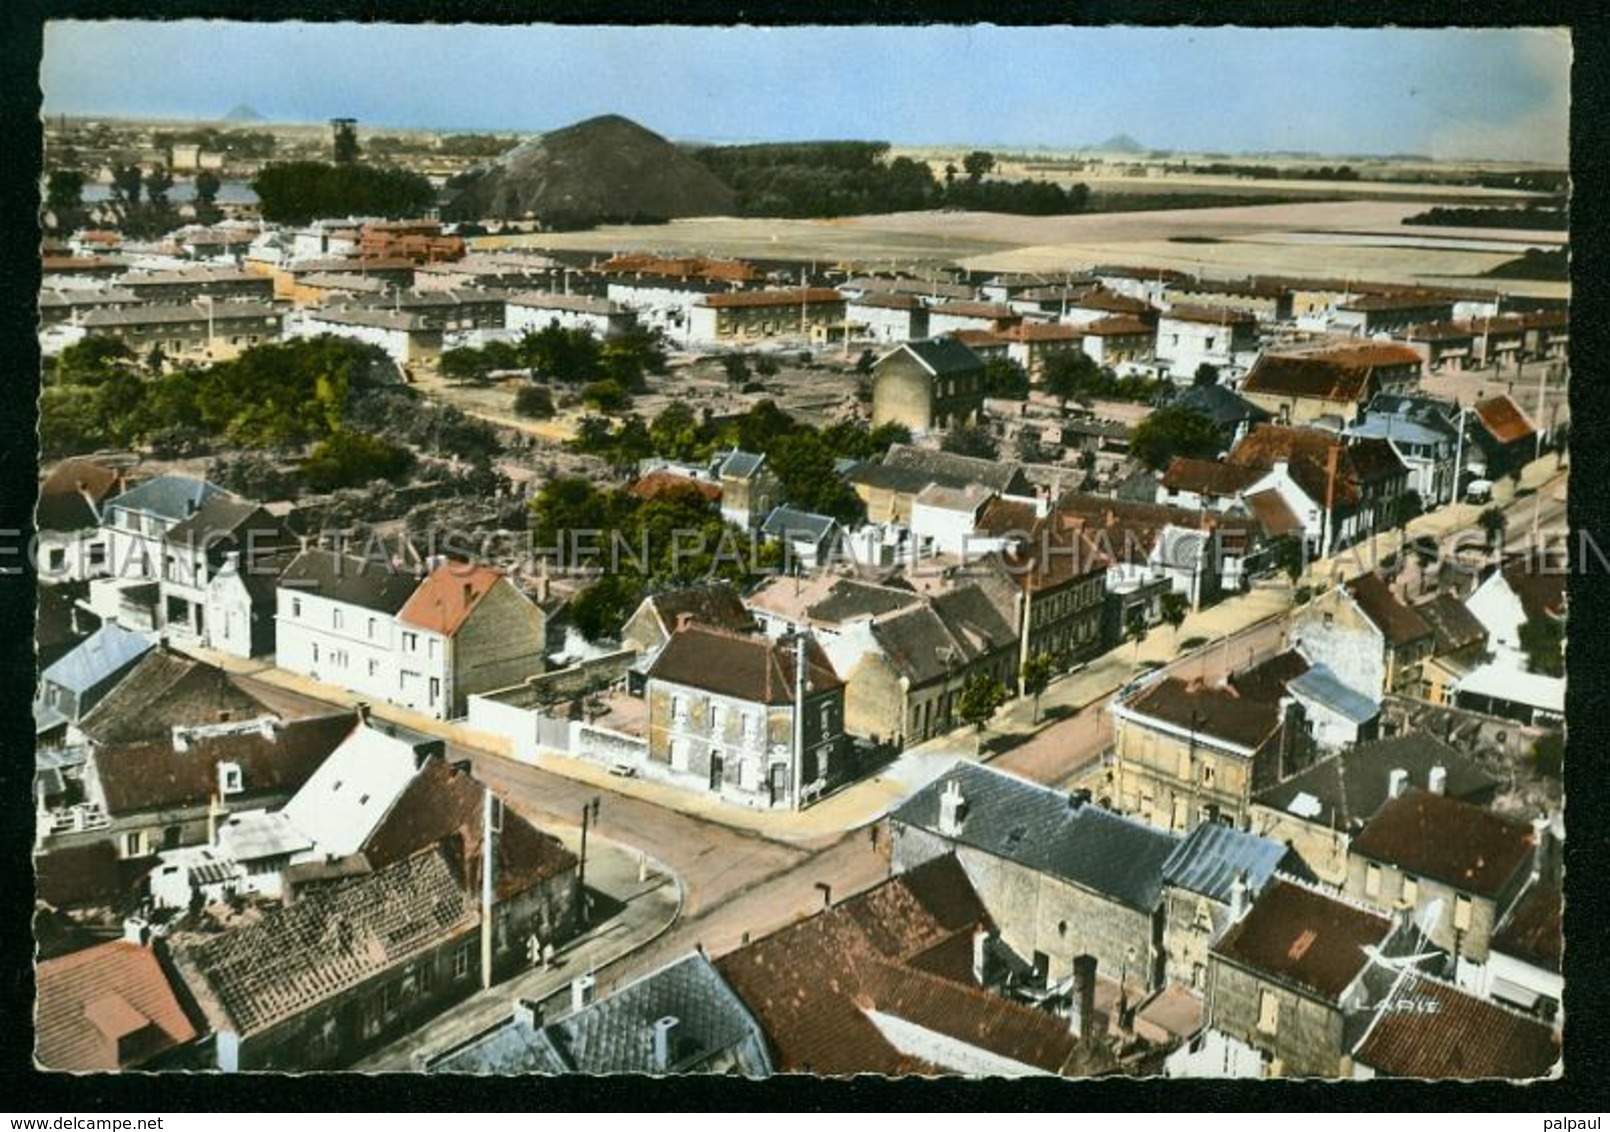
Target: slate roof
908	470
1212	711
1465	1038
1325	688
787	522
1531	930
169	496
756	669
356	581
1466	847
1213	855
739	464
1221	405
1399	623
714	1029
1267	679
1346	789
928	642
222	524
940	356
443	802
248	978
811	985
139	777
94	1001
974	620
164	689
1304	939
100	657
1040	829
72	495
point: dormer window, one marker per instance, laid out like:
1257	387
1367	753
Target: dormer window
230	779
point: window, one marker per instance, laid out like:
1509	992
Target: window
679	709
427	977
374	667
1207	774
461	962
1372	880
373	627
335	619
134	843
718	718
296	607
315	652
1461	914
1268	1012
230	779
388	999
411	642
435	689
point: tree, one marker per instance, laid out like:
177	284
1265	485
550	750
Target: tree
950	174
1174	607
126	184
1206	374
675	432
1548	754
864	363
766	365
736	367
297	192
981	697
207	186
1027	448
605	396
1071	374
1005	378
1036	678
1135	631
64	196
346	141
1171	431
533	401
971	440
463	364
978	164
1543	640
1493	522
352	459
158	182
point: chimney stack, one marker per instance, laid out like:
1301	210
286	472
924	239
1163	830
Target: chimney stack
1084	989
1397	782
1437	779
684	621
1540	847
528	1013
952	810
664	1036
362	710
1238	896
137	931
581	992
980	954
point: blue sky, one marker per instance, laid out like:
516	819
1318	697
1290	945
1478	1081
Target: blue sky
1495	93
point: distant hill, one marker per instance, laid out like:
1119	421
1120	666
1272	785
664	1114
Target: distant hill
243	113
606	169
1121	143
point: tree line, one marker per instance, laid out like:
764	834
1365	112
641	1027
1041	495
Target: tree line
297	192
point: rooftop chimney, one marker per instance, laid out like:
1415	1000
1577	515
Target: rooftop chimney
1238	896
664	1039
1084	989
137	931
952	810
362	710
1540	847
1437	779
684	621
528	1013
980	954
581	992
1397	782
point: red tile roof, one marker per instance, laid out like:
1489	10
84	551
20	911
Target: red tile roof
1276	519
1044	332
1118	326
966	309
1209	477
1447	1034
1539	584
789	298
1218	712
1373	354
107	1007
1098	299
1303	938
1401	624
1531	930
1504	419
659	482
1311	375
1307	453
1403	300
1469	848
1218	316
976	338
446	598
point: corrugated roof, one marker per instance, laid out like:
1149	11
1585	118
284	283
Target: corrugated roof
1042	830
1442	1033
1325	688
1213	855
94	1003
1304	938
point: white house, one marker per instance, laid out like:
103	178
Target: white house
1190	337
889	319
944	520
537	310
336	620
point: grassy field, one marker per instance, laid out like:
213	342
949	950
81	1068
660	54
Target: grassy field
1317	239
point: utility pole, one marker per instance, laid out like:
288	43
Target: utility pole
491	815
1459	454
1542	385
581	869
799	717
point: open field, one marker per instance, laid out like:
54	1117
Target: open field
1361	239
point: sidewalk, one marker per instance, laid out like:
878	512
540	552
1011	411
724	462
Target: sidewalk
647	910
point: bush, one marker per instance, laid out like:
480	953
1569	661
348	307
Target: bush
605	396
534	401
352	459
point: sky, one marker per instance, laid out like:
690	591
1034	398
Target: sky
1496	94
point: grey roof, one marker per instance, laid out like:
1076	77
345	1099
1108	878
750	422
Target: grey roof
1381	427
1214	854
357	581
581	304
908	469
1428	412
226	515
939	355
741	465
169	496
714	1032
919	644
786	522
1325	688
157	313
261	833
1042	830
1222	405
385	319
847	599
1345	790
104	654
974	619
